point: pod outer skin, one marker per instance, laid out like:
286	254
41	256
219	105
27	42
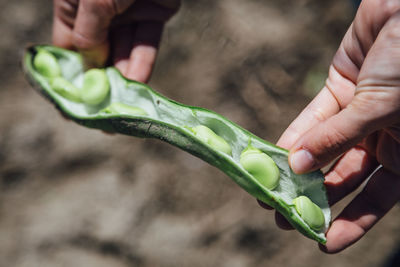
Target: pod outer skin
309	184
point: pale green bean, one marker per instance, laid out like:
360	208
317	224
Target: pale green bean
310	212
209	137
95	87
66	89
261	166
121	108
46	64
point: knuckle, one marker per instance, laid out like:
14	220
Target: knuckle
386	7
66	11
82	41
375	105
69	6
393	26
389	7
318	114
364	102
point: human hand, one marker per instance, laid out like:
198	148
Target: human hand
356	115
125	31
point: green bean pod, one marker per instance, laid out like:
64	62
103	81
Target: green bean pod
198	131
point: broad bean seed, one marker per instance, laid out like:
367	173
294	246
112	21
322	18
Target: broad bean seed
310	212
261	166
46	64
209	137
121	108
95	87
66	89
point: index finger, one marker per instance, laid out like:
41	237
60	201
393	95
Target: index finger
330	100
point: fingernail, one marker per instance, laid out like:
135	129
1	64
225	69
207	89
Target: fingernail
301	161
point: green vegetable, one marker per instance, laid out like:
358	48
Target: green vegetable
185	127
121	108
311	213
66	89
261	166
95	87
207	135
46	64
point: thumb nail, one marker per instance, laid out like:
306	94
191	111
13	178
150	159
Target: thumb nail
301	161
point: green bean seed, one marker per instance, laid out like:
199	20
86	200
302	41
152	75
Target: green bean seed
261	166
209	137
46	64
95	87
121	108
310	212
66	89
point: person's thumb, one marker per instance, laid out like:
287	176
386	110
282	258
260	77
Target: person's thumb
337	134
91	29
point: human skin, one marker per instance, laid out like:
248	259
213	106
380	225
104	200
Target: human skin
356	114
126	32
355	117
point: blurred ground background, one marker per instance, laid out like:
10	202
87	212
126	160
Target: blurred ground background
71	196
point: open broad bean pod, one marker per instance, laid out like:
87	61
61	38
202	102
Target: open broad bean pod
104	99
